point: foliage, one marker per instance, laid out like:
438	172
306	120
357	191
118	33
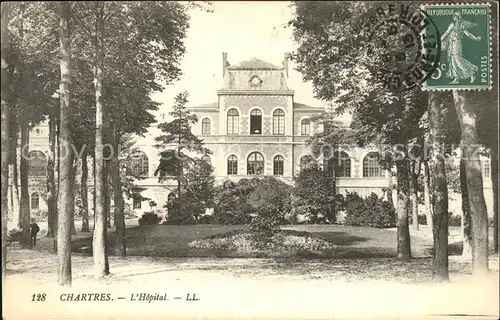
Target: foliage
312	195
454	220
369	212
230	202
270	200
149	218
422	219
198	185
179	214
177	137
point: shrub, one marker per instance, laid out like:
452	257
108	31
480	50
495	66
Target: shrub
231	205
369	212
422	219
39	215
179	214
270	201
313	196
454	220
149	218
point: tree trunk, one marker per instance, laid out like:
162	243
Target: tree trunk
477	205
99	240
120	247
107	194
427	196
414	199
66	196
390	186
84	195
94	199
465	221
494	183
14	176
51	178
25	197
440	193
4	135
403	232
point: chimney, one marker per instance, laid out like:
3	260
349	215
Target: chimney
285	62
224	63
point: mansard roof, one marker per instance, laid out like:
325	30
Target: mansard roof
253	64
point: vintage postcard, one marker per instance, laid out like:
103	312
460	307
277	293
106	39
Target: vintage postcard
249	160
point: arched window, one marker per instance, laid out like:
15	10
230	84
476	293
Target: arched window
371	167
255	164
232	165
279	122
233	121
206	158
138	164
37	166
255	122
304	161
35	200
205	126
342	163
278	165
305	127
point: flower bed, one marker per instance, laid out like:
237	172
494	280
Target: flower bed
266	244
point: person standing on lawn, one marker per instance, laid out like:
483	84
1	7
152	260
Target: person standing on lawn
34	228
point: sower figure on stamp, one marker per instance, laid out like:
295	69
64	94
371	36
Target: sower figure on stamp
34	228
458	66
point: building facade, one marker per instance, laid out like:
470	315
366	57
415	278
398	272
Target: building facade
255	128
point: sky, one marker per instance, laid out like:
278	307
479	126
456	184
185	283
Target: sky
243	30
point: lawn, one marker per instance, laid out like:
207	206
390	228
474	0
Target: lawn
172	241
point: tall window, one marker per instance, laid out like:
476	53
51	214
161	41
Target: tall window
205	126
232	165
305	127
137	202
371	167
279	122
342	163
35	200
486	168
255	164
233	121
278	166
138	164
304	161
37	165
255	122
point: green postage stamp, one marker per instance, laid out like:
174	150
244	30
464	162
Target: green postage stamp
465	59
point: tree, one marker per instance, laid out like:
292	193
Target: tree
118	196
5	134
101	263
477	205
311	195
66	205
333	54
175	140
440	192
